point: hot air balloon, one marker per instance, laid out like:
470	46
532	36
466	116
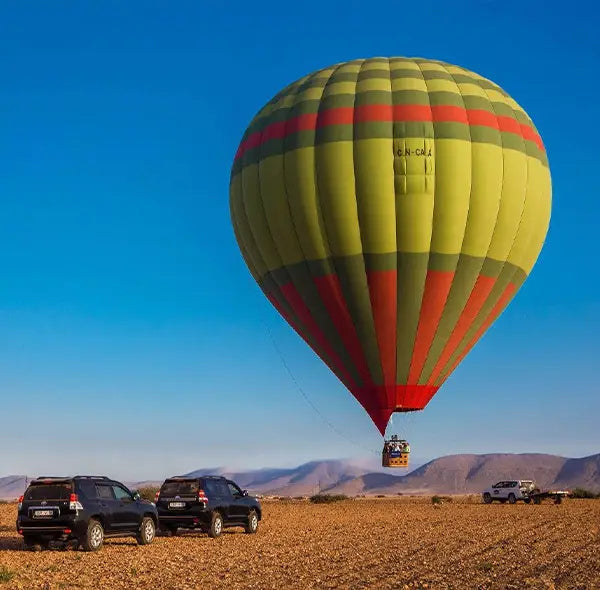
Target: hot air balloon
390	209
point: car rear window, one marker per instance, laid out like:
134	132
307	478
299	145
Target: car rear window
179	488
49	491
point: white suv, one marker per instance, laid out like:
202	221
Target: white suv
511	491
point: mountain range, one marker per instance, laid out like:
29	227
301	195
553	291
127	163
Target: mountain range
453	474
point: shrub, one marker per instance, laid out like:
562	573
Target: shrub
5	574
148	493
327	498
440	499
582	493
380	496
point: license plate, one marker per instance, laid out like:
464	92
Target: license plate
42	513
176	504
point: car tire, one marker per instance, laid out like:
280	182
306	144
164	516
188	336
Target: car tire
558	500
511	498
146	532
216	525
527	500
252	524
94	536
487	499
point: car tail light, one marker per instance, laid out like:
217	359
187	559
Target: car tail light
74	503
202	496
67	531
156	496
20	531
20	503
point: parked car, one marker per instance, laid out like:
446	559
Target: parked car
510	491
83	510
209	503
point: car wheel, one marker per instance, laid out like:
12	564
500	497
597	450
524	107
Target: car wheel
487	499
147	531
527	500
252	525
216	525
94	536
557	500
511	499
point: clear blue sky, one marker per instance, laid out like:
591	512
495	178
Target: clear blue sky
134	342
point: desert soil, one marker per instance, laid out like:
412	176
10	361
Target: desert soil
362	543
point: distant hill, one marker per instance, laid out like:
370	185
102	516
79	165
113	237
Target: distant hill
453	474
309	478
12	486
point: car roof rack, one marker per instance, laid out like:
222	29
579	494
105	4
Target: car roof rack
102	477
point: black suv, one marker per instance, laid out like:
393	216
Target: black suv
209	503
83	510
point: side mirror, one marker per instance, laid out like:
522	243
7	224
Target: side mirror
244	492
136	495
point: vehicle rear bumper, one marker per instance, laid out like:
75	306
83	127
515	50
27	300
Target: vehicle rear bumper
67	527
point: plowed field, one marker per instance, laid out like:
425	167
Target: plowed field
362	543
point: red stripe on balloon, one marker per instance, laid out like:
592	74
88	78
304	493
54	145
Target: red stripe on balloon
406	398
479	294
330	290
437	287
497	309
389	113
298	306
383	287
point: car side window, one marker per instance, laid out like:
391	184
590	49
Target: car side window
235	491
87	488
512	484
223	489
104	492
121	493
500	484
210	489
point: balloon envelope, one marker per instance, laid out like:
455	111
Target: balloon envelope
390	209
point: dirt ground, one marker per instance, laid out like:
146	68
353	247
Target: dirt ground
362	543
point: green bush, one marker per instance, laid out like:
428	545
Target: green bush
580	493
148	493
440	499
327	498
5	574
